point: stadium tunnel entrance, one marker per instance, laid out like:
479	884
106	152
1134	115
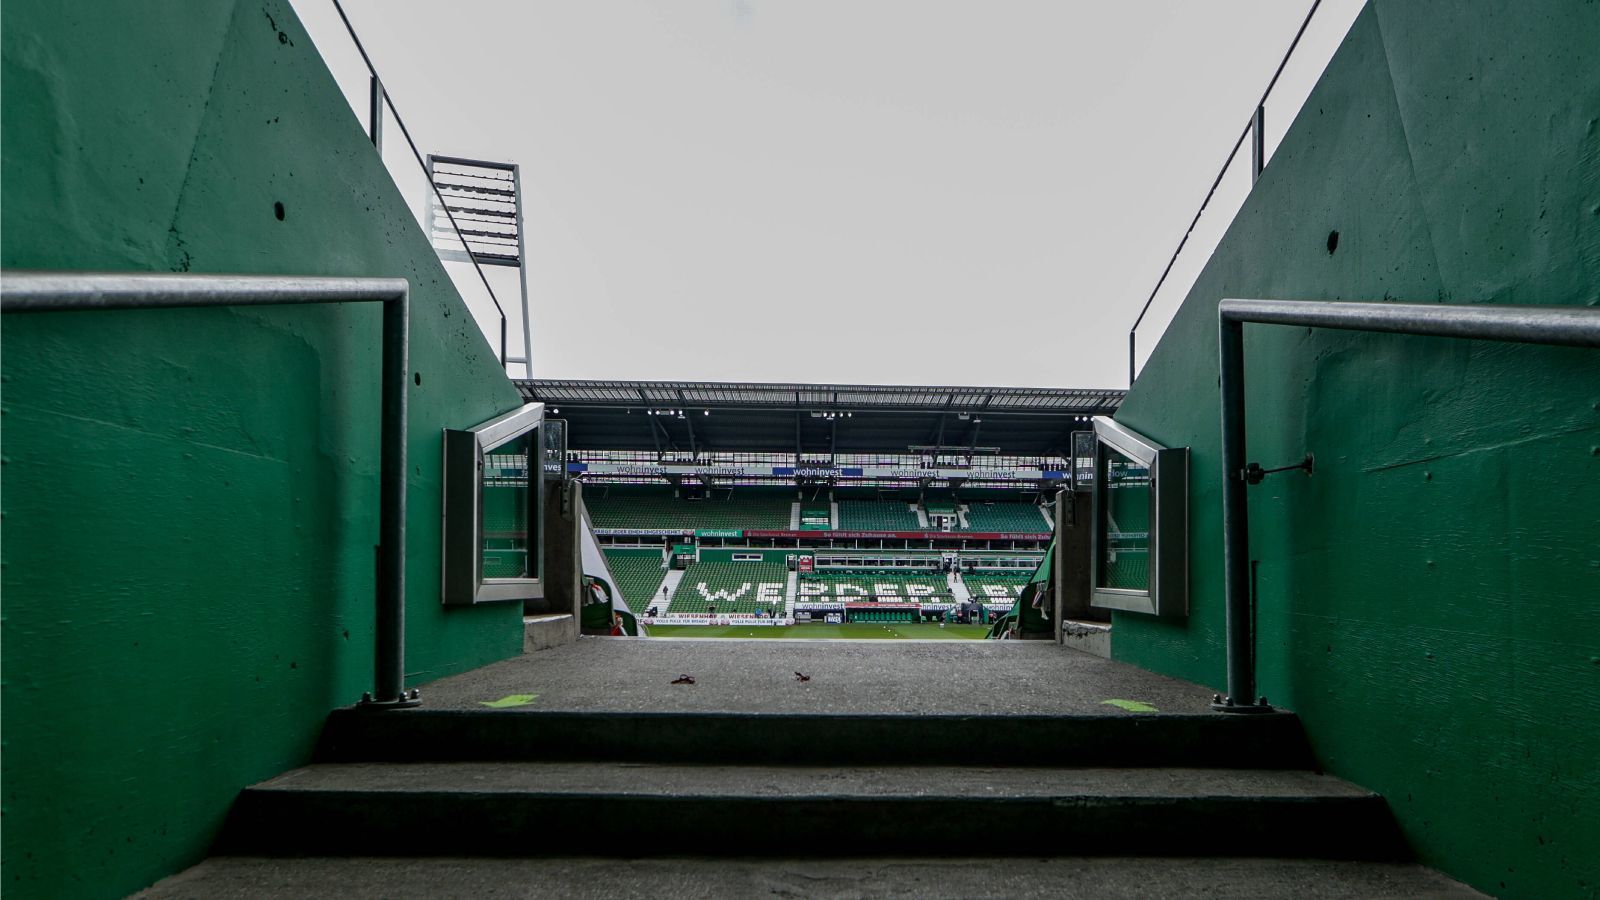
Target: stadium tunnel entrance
904	512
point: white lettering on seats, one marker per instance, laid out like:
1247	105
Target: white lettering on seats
886	590
813	589
997	591
722	595
919	590
853	590
767	592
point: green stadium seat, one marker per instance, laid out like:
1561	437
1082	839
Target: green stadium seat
996	590
875	585
1128	568
877	515
731	588
752	510
638	575
1015	517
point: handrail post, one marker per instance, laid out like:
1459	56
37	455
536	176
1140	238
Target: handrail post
1258	143
1235	525
389	675
375	114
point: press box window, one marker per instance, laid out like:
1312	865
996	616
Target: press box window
493	504
1140	541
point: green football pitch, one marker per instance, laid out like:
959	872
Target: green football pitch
863	632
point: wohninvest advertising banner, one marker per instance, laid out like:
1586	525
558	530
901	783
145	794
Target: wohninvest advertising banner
819	473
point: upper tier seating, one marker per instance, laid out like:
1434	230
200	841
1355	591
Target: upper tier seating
1023	517
743	511
638	577
877	515
731	587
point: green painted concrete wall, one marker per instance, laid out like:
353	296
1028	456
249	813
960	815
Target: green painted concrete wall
1427	600
190	497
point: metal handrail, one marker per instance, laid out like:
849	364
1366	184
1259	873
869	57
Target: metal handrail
41	292
380	94
1259	160
1565	326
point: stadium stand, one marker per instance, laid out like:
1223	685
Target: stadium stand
639	577
662	511
995	588
879	585
877	515
731	587
1023	517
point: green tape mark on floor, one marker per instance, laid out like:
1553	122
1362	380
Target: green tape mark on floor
509	700
1131	705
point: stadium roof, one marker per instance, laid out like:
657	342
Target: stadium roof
820	418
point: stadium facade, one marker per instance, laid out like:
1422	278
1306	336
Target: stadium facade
192	495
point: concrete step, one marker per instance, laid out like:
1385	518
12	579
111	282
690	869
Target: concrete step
1102	878
1274	741
554	808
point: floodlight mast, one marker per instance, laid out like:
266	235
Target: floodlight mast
483	198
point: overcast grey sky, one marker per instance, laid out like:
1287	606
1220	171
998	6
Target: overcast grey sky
879	191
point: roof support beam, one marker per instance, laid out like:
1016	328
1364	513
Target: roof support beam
650	418
694	450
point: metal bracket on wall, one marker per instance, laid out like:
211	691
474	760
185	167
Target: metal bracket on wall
1254	474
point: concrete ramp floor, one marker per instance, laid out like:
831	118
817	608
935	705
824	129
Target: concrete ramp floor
864	677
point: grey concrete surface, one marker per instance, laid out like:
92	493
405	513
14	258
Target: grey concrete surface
652	780
758	675
223	878
1092	638
546	630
